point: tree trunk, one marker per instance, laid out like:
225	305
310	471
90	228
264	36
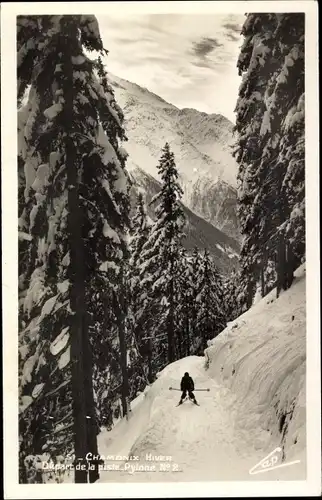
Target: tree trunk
205	327
179	344
285	267
120	304
77	293
193	322
170	322
281	265
249	300
290	266
77	304
92	426
281	245
125	383
150	370
187	333
263	291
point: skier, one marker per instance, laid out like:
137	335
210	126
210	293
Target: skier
187	385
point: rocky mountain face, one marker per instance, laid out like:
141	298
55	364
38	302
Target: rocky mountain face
201	144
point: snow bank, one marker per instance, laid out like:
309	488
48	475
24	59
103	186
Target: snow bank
120	440
261	358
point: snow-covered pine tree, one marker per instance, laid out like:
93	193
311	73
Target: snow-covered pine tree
76	195
256	65
230	295
28	37
285	90
158	264
210	301
139	230
139	236
286	94
140	358
120	306
272	65
195	289
183	301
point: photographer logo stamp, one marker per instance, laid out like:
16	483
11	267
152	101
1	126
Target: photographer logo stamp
270	462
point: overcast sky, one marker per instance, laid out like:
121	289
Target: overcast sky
189	60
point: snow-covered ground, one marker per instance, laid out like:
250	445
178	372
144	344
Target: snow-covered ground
255	370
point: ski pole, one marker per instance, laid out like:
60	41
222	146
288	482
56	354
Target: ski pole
175	389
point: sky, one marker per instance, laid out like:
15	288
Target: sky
188	60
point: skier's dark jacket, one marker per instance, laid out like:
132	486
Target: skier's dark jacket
187	383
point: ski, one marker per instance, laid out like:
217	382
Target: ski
181	402
192	401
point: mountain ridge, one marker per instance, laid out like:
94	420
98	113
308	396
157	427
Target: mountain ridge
201	144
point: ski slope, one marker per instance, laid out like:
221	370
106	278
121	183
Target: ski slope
255	370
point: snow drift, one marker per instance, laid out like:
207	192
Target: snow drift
261	359
255	370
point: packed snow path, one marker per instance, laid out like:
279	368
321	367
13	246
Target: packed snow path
201	440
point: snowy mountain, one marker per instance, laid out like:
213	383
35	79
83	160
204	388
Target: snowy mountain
199	233
201	144
255	370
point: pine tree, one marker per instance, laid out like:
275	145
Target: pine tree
195	290
159	263
270	98
287	93
256	65
140	230
139	235
230	295
76	206
121	309
184	305
210	303
141	362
